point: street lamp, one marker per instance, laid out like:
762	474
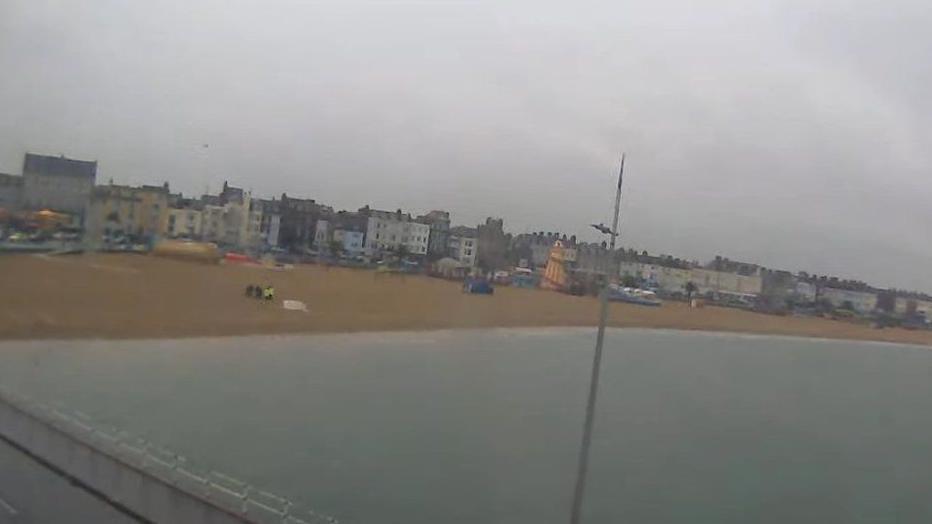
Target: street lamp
583	464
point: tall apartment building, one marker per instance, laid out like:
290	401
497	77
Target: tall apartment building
57	183
439	223
11	192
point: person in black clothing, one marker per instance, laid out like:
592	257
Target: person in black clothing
250	291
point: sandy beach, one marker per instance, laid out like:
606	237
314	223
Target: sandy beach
136	296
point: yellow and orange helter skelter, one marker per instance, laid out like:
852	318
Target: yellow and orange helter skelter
555	272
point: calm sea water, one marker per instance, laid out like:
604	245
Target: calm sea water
483	426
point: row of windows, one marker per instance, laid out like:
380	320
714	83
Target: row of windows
378	236
59	183
407	227
382	245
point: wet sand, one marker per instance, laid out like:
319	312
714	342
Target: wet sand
136	296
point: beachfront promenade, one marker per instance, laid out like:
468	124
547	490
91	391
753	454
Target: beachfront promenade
127	479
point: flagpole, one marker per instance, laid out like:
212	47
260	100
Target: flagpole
583	464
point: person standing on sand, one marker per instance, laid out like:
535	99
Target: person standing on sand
250	292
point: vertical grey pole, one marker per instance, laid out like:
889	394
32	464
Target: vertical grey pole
583	465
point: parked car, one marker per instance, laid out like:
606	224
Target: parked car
478	286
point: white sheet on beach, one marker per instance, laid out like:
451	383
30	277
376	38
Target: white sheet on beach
294	305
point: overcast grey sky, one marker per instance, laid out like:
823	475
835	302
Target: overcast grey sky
794	134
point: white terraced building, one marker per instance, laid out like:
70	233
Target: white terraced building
389	231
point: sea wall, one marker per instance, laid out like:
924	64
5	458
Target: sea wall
145	483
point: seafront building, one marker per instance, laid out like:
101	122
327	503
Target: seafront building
462	245
115	211
11	192
344	232
234	219
439	223
57	183
394	231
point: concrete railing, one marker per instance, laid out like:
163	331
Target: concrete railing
138	476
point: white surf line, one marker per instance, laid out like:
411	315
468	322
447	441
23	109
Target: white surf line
9	509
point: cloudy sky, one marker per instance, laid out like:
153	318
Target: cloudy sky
794	134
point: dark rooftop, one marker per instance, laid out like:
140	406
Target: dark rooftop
157	189
231	194
59	166
463	231
211	200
